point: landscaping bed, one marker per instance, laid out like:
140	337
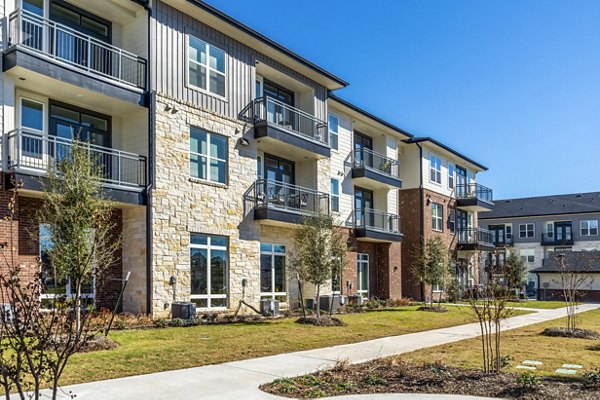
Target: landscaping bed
393	375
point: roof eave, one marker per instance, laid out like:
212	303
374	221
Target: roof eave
449	149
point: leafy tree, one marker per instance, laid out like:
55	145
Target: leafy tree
78	218
319	249
514	270
432	264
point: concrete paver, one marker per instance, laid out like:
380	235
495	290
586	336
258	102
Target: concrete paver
241	379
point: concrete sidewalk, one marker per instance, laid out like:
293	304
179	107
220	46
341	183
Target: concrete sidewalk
240	379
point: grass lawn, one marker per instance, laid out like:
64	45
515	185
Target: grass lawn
154	350
542	305
524	344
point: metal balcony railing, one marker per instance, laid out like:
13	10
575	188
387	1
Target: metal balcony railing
474	191
557	238
274	112
502	241
76	49
367	158
478	236
267	193
371	219
30	151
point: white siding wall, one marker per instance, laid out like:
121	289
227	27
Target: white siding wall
443	187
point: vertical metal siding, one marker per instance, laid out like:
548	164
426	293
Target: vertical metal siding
170	30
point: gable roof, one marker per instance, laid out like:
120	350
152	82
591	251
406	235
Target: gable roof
449	149
576	203
575	261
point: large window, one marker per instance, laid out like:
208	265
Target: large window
528	255
526	231
362	265
450	176
208	156
208	263
452	220
57	284
589	228
335	195
206	66
435	168
437	217
334	125
272	271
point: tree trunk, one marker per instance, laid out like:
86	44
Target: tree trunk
78	308
318	300
300	294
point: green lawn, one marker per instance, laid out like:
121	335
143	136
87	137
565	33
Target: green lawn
524	344
541	305
154	350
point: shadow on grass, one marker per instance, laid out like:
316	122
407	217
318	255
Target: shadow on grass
389	310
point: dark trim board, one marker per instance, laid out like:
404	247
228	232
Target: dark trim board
474	202
475	247
36	183
377	235
265	129
369	173
443	146
18	57
268	213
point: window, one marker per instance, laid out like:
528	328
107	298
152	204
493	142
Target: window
452	220
209	272
589	228
362	265
435	169
450	176
334	125
259	167
32	115
206	66
550	229
436	288
208	156
335	195
526	230
53	284
437	217
272	271
528	255
508	232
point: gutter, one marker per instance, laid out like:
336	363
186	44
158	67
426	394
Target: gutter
151	126
421	209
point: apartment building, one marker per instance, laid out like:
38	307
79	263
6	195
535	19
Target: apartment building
215	142
537	228
441	197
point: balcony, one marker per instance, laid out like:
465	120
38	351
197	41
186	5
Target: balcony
281	125
503	242
471	239
32	154
375	171
279	203
557	239
376	226
43	46
474	197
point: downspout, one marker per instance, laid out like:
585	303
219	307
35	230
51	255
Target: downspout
421	211
151	126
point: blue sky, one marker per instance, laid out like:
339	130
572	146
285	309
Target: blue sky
513	84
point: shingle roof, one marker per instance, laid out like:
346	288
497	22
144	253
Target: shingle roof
576	261
575	203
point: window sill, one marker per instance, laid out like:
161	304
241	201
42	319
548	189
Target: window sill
207	92
437	230
208	183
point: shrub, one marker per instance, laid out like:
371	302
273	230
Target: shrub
505	361
161	323
528	380
592	377
374	380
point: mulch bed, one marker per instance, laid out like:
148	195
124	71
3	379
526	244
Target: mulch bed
98	343
392	375
323	321
439	309
575	334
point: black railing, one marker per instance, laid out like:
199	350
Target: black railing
273	194
502	242
474	191
76	49
475	236
369	218
33	151
275	112
367	158
557	238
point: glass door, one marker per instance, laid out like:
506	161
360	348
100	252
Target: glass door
462	222
277	112
279	175
461	181
498	234
363	207
563	232
361	157
362	260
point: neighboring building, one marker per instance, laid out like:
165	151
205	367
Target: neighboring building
440	197
538	227
580	270
215	142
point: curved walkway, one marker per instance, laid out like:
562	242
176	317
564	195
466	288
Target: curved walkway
240	379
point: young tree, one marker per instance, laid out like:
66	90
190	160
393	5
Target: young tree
514	271
319	249
78	218
432	264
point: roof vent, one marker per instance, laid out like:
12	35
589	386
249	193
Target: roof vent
507	201
579	195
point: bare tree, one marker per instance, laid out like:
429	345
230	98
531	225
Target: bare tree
78	218
319	249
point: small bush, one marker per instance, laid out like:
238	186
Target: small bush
286	385
440	368
401	302
374	380
505	361
119	325
528	381
161	323
592	377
